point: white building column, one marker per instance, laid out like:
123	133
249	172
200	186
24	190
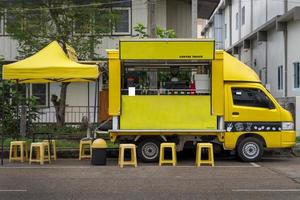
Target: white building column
194	18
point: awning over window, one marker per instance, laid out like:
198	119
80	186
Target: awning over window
51	64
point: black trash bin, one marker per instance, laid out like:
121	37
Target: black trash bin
99	152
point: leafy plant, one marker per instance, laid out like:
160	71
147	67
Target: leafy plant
10	102
161	33
141	30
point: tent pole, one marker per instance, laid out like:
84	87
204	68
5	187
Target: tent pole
88	112
17	105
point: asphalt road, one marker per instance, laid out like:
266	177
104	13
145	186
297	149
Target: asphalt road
274	178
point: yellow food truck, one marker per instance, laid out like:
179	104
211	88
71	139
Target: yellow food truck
183	91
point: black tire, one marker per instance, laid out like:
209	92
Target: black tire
148	150
250	149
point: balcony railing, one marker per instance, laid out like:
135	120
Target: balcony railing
73	114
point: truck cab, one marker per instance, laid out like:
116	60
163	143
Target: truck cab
183	91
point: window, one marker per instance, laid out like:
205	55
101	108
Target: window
243	15
122	26
225	31
296	75
251	97
236	21
280	77
40	91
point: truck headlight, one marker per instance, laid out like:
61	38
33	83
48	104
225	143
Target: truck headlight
287	126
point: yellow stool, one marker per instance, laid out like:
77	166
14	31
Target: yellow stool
162	159
82	146
40	152
53	147
210	160
13	152
133	160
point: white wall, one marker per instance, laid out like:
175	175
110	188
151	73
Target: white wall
275	59
246	56
228	24
259	56
293	3
293	55
161	13
246	28
275	8
259	13
8	48
235	32
179	17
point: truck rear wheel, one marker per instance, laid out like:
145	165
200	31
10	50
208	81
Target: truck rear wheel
250	149
148	150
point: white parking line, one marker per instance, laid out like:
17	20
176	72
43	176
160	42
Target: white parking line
266	190
254	164
13	190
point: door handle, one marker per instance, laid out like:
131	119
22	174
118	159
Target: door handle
235	113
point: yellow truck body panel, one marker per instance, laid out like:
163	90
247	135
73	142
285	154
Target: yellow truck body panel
114	70
166	50
167	112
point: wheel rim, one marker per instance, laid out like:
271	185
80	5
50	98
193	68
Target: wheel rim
251	150
150	150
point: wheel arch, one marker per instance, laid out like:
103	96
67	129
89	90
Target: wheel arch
255	135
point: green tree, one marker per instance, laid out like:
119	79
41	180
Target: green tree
81	24
10	100
160	33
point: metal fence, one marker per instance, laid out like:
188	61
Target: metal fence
73	114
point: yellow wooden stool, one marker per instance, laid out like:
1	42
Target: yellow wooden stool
82	146
53	147
132	149
162	159
13	151
210	160
40	148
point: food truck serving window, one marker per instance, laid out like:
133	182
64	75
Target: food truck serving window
177	79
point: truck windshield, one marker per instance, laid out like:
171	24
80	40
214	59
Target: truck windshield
251	97
166	80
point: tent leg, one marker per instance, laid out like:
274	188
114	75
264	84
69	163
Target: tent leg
96	103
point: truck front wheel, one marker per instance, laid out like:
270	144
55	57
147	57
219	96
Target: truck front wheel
148	150
250	149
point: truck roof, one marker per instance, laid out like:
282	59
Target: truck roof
235	70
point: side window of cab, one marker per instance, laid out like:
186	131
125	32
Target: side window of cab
251	97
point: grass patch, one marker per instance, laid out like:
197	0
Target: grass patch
64	143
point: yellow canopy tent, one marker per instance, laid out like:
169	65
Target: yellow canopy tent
51	64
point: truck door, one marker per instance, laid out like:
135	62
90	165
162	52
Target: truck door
252	107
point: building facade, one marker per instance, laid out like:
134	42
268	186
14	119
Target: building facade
264	34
